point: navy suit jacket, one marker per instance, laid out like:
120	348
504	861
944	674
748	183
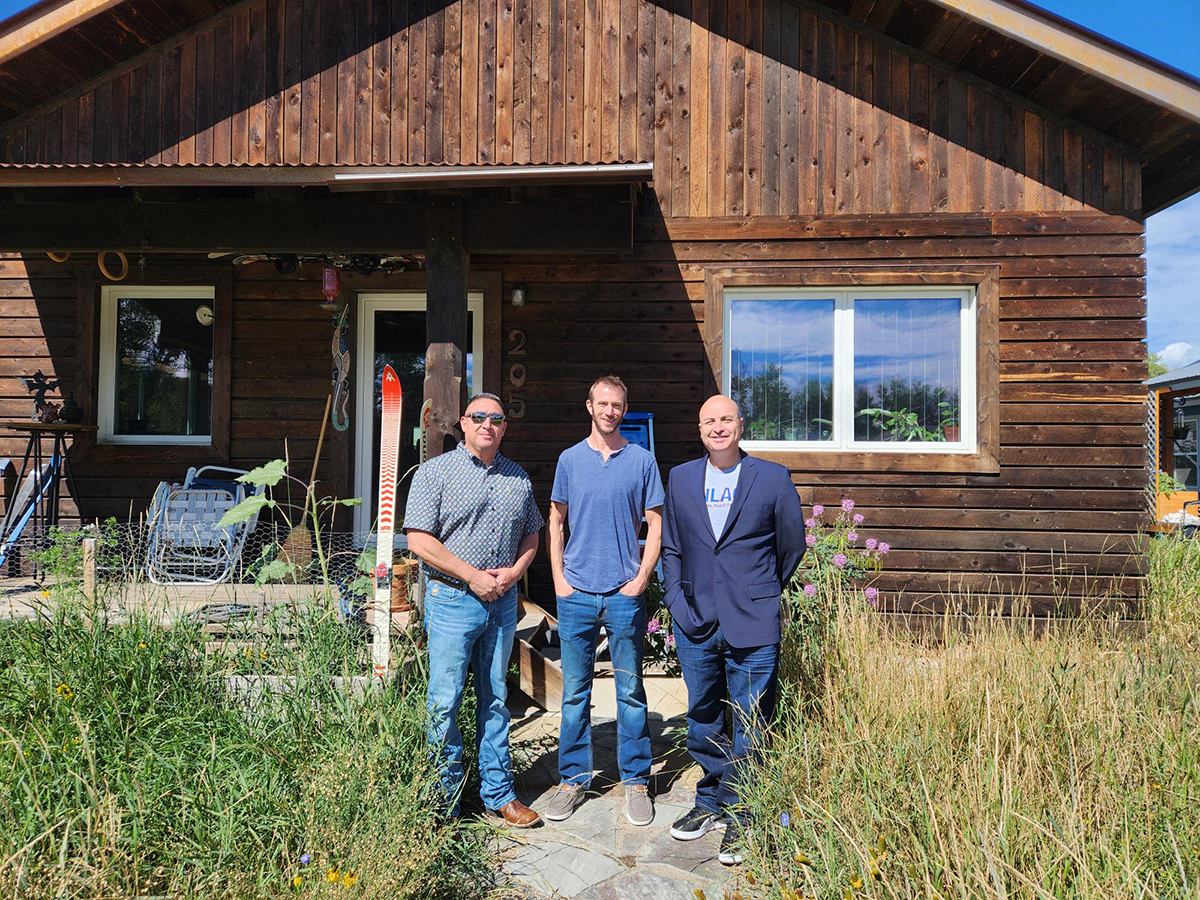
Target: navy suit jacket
739	574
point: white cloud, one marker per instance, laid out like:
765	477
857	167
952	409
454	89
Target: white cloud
1173	276
1178	354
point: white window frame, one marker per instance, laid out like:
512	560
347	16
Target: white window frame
107	392
843	364
368	305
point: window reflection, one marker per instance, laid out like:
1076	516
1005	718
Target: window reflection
781	368
164	366
907	370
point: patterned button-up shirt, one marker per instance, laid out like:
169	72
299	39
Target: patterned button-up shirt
480	513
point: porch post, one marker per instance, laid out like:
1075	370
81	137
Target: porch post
446	264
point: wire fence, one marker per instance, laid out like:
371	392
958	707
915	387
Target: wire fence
199	554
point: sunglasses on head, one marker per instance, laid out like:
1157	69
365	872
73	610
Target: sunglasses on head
479	418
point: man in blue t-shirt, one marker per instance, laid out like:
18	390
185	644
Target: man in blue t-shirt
603	486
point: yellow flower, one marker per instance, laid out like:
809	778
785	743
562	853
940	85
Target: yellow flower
297	881
1157	786
45	594
264	654
856	882
142	645
699	894
348	879
332	875
750	877
64	691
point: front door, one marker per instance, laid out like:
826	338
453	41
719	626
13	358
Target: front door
391	331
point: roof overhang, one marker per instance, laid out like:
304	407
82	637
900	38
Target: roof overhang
33	26
1071	43
337	178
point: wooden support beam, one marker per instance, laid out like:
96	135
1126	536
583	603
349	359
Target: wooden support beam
311	226
446	264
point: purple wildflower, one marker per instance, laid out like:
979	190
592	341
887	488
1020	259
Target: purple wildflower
305	859
810	590
810	523
653	626
872	596
872	543
852	536
784	819
858	519
810	540
884	548
669	640
848	505
818	509
839	560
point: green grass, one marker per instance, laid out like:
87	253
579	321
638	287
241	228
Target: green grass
125	770
995	765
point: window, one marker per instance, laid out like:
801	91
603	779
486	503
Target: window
840	368
885	369
156	364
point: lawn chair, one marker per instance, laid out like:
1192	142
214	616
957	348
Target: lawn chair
185	544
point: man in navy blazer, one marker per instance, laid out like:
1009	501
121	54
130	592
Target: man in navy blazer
733	534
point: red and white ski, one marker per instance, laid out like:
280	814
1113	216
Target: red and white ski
389	453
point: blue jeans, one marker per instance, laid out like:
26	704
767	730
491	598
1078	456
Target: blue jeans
579	619
465	631
714	672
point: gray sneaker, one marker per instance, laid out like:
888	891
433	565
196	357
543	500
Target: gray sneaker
567	798
639	808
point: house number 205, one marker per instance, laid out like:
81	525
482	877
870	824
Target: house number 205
517	374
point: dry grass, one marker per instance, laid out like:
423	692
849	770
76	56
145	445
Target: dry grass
997	765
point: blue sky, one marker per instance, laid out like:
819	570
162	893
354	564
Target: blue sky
1168	30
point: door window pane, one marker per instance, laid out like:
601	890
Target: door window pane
781	368
907	370
164	366
400	343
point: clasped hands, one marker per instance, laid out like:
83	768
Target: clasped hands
490	584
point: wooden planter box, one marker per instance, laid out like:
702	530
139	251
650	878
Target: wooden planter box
1165	504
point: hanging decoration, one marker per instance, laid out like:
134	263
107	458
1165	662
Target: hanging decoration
359	263
341	370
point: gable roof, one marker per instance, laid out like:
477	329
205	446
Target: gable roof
1033	56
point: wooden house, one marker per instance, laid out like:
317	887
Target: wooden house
906	234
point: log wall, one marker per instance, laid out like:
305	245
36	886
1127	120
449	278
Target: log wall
746	107
1056	524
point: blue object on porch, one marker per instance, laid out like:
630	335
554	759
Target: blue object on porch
24	505
638	428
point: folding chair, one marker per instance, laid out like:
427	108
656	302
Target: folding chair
186	546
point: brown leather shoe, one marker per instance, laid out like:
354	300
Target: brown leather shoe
517	815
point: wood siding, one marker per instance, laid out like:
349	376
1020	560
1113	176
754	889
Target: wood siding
745	107
1058	521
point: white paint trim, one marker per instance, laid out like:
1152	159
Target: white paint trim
106	395
365	460
1092	55
843	365
615	171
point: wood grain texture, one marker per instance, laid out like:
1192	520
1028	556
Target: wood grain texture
745	107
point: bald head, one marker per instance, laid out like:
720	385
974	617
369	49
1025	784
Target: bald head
719	405
720	430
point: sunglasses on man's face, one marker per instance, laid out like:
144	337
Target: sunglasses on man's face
479	418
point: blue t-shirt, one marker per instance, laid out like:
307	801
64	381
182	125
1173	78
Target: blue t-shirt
605	503
720	489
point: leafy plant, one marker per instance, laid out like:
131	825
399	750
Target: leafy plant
1169	484
271	564
902	424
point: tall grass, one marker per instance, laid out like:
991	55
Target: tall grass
999	764
126	768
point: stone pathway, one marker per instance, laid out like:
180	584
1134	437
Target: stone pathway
596	854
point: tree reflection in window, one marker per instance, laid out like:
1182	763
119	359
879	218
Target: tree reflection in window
164	367
781	368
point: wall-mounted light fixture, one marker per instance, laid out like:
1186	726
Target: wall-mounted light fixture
518	295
